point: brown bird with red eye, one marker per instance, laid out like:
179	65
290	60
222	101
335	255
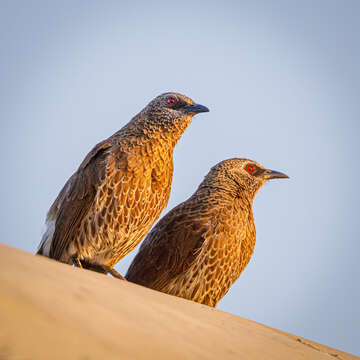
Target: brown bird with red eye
202	246
120	189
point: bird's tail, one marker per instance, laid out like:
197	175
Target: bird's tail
43	248
45	244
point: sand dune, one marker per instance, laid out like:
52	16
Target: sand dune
54	311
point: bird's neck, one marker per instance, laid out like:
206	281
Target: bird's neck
165	134
228	190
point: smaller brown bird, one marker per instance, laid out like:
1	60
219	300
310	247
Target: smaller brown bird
200	248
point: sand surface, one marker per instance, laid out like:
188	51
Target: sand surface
50	310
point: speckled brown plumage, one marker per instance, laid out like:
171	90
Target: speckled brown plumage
120	189
201	246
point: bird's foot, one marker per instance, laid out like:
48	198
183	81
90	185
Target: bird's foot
113	272
76	262
96	267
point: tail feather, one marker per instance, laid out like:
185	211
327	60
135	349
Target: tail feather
45	244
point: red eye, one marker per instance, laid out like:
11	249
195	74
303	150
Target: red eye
250	169
171	101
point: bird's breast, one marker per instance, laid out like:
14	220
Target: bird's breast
224	255
135	191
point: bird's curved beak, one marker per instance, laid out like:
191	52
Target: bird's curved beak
272	174
195	109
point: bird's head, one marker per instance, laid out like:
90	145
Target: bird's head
242	175
171	112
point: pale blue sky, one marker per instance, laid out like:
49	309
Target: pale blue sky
282	81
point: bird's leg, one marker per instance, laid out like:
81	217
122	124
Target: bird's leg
113	272
77	262
97	267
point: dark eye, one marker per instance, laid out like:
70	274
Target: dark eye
250	169
171	101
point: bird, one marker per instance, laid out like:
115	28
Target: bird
119	190
200	247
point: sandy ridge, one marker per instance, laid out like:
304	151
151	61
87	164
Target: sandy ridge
50	310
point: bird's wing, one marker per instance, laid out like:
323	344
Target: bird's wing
169	249
76	197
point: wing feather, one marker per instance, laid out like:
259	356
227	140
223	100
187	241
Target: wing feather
76	198
169	249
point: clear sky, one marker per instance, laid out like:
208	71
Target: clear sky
282	81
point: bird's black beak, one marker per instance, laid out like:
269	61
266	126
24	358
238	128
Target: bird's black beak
195	109
272	174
